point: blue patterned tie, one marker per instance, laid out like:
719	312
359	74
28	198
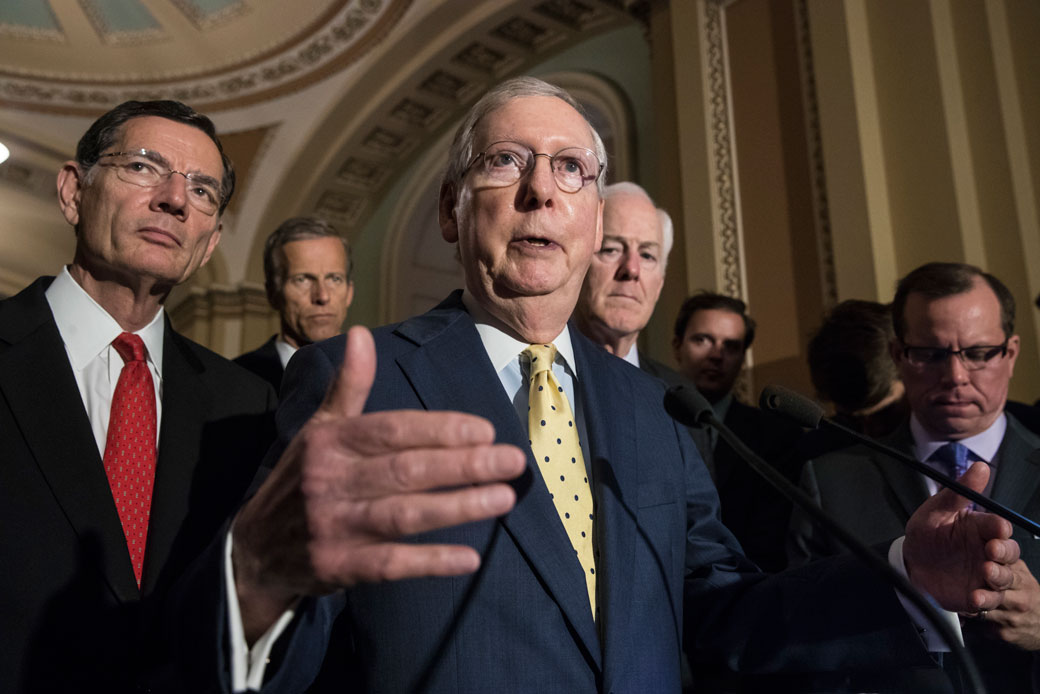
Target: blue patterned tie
955	457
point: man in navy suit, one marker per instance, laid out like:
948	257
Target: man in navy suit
145	195
308	277
389	484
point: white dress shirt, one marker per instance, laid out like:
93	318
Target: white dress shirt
88	331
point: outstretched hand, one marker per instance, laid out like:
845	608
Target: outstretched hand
350	485
960	557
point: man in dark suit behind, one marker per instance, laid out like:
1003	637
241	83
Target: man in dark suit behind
308	273
624	282
955	349
145	196
712	335
389	484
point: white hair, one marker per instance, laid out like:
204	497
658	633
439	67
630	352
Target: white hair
663	218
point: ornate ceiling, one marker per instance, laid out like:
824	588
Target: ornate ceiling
320	103
79	57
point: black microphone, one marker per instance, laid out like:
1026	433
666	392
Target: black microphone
687	406
807	413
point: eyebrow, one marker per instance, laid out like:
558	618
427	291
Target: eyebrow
196	175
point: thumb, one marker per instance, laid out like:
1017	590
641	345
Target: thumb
349	392
975	479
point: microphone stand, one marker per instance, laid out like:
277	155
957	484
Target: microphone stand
689	407
804	411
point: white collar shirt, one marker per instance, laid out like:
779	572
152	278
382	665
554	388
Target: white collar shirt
88	331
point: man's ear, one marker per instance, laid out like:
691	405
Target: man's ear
446	213
70	191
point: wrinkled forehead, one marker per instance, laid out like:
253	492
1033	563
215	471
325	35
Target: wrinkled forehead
545	123
181	144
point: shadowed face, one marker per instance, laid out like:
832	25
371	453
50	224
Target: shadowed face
712	351
948	399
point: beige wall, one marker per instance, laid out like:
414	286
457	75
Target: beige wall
827	147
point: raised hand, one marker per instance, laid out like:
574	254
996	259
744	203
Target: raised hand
958	556
350	485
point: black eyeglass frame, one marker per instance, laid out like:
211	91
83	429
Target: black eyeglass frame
940	355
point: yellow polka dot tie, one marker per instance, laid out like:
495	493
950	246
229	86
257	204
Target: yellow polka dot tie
130	446
554	441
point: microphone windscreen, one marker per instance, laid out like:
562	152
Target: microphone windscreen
791	404
687	405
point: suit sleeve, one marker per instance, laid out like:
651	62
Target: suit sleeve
198	609
831	615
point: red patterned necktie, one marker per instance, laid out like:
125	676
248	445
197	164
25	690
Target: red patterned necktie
130	446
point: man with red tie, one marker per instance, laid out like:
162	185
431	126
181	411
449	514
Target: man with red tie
124	445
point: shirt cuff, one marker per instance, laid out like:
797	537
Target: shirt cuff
933	640
247	664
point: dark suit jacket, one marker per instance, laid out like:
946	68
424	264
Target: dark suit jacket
668	568
873	496
755	512
71	615
264	362
670	377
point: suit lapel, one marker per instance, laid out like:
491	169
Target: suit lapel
612	435
1018	468
37	382
185	404
907	488
443	371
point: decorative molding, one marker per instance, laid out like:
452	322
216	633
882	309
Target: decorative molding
817	174
380	148
204	20
327	47
724	175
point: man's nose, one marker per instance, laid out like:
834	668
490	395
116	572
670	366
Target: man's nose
954	370
629	268
320	292
539	184
171	194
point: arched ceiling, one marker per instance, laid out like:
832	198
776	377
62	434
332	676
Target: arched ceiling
79	57
320	103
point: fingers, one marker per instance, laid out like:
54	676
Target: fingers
393	430
395	561
393	517
1003	551
348	393
418	470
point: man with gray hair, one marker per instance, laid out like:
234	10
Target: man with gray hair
307	275
497	504
626	274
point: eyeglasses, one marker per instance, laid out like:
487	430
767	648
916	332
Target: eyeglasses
505	162
973	358
145	168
